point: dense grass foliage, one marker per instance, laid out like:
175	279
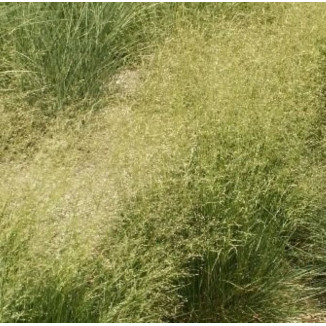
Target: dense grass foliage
67	50
63	53
195	194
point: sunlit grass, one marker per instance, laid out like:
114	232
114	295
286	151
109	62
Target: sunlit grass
197	197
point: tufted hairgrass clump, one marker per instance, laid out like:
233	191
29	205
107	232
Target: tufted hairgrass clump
67	51
193	193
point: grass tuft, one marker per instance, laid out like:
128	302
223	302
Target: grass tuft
190	188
